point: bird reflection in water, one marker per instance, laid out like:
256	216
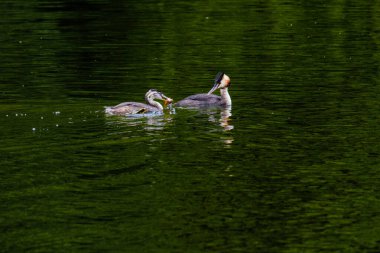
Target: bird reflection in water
223	120
225	115
147	122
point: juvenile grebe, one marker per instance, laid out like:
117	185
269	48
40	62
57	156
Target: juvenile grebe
222	82
137	108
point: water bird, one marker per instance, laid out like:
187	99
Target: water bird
152	106
222	82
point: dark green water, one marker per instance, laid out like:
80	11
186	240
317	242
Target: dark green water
294	167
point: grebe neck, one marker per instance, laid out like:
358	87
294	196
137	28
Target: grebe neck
226	99
154	103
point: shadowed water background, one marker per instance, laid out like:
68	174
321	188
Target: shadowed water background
293	167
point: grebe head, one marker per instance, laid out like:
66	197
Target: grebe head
222	81
153	94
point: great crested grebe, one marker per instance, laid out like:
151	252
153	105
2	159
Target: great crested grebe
138	108
222	82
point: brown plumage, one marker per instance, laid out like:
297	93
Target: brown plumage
222	82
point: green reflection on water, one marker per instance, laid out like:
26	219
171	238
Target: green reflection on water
292	168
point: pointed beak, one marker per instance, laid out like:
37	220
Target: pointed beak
213	88
167	101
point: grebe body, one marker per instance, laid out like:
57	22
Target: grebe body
222	82
152	106
200	100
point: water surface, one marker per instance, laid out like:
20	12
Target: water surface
293	167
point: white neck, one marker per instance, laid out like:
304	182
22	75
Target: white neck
155	104
225	97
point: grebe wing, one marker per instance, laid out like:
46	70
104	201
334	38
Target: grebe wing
199	100
130	104
203	97
131	108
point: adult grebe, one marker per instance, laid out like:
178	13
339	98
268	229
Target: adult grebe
137	108
222	82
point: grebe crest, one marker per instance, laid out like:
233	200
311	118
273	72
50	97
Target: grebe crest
222	81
